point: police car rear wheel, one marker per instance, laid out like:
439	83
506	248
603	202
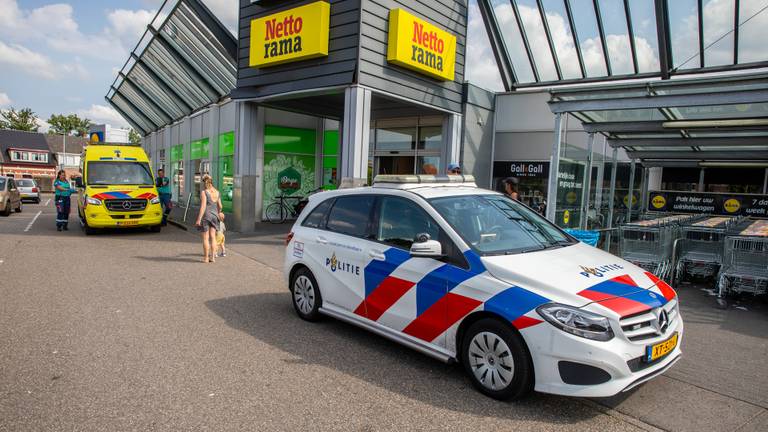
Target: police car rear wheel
496	360
306	295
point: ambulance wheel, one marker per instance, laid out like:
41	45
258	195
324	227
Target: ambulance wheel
155	228
306	295
497	360
87	229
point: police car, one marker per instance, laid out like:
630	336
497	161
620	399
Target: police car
465	274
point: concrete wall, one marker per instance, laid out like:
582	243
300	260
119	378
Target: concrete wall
477	138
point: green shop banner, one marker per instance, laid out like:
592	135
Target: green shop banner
289	163
227	144
199	149
225	172
177	153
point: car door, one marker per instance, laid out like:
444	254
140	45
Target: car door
13	190
412	294
339	249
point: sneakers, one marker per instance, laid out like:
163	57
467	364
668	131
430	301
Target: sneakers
222	254
58	227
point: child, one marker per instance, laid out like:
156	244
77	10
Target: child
220	239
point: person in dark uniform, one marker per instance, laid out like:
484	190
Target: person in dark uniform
62	198
163	185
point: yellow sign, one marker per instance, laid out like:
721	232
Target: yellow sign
419	45
658	202
566	217
732	205
570	197
626	200
295	34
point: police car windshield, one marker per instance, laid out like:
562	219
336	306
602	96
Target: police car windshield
119	173
497	225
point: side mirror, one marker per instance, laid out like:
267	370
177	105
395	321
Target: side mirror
79	182
425	247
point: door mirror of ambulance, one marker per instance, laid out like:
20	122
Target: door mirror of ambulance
427	249
79	182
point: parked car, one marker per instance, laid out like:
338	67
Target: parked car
9	196
468	275
28	190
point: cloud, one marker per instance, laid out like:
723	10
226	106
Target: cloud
38	65
226	11
128	25
103	114
5	100
481	69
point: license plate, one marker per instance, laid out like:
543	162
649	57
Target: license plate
656	351
127	223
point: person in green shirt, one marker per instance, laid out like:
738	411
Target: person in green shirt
163	185
62	194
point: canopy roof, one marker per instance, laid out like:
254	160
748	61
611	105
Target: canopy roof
539	42
677	122
185	61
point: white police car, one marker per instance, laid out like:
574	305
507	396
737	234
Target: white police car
465	274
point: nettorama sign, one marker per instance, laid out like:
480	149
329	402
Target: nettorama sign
421	46
295	34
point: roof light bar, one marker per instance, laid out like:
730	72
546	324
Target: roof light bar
423	178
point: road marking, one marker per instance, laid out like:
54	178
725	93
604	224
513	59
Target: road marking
33	221
48	202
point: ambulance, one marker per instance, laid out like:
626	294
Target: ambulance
468	275
117	189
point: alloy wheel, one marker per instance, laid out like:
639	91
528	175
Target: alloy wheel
304	294
491	361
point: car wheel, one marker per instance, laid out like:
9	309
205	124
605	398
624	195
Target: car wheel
306	295
497	360
7	211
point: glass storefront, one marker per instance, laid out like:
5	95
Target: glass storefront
330	159
200	164
177	172
407	146
289	163
533	178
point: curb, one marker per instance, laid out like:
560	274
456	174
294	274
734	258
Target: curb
177	225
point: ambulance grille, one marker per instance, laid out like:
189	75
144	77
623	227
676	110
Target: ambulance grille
125	205
644	326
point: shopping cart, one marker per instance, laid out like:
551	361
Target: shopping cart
701	246
745	264
648	243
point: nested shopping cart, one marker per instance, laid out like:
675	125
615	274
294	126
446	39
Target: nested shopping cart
745	263
648	243
701	246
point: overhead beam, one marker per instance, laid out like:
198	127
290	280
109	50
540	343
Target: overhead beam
687	142
215	26
575	35
665	42
524	36
661	101
148	99
127	118
631	34
186	64
551	43
503	62
603	41
653	127
133	106
167	88
699	155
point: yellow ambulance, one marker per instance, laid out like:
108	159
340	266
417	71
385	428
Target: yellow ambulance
117	189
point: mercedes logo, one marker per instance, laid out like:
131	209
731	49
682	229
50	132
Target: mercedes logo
662	321
126	205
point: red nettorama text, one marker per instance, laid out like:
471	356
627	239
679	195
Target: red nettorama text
288	27
428	40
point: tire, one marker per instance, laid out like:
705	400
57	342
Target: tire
305	295
7	211
86	228
155	228
276	213
497	360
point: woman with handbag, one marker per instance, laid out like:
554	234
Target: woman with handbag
209	217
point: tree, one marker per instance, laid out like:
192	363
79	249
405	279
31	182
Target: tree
24	120
68	124
134	137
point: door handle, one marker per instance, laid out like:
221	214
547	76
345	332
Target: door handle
376	255
322	240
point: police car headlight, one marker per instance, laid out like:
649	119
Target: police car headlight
155	200
92	201
576	321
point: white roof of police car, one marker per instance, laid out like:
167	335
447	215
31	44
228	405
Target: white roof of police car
424	191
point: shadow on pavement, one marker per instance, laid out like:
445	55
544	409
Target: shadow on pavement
270	318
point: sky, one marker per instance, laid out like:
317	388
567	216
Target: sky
61	57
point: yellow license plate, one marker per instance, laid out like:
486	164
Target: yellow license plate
654	352
127	223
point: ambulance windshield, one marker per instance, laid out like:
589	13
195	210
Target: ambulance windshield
119	173
497	225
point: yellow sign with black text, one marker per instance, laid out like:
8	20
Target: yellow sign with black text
421	46
295	34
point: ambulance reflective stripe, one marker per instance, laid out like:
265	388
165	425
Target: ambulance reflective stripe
113	195
667	291
513	304
148	195
623	296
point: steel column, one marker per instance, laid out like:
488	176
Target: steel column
554	167
665	42
700	14
355	136
736	32
765	182
611	198
644	190
587	183
700	187
601	31
600	180
631	189
631	34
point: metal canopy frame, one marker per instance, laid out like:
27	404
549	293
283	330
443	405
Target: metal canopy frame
667	65
685	121
185	61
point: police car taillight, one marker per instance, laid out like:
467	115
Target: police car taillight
288	238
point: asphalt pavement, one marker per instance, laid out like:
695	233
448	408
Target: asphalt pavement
128	330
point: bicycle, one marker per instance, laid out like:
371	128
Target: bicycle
279	210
